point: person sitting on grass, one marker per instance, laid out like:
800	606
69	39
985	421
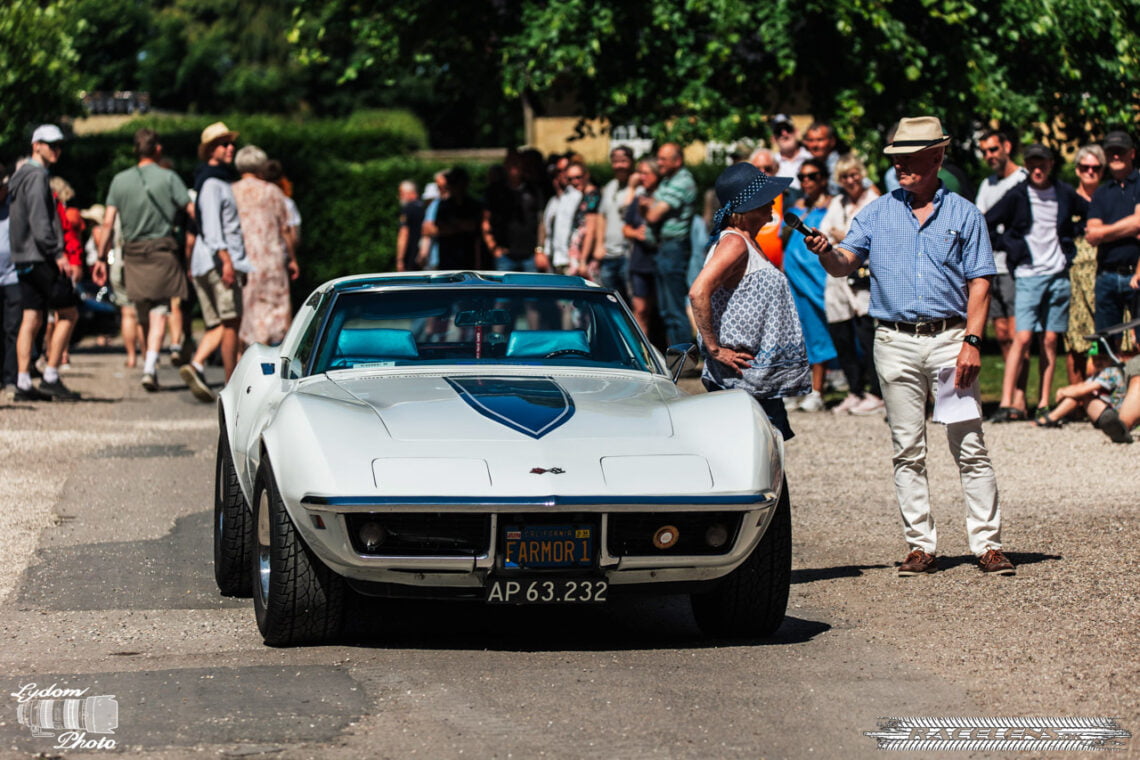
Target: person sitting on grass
1129	409
1100	396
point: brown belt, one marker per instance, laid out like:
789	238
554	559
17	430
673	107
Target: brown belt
924	328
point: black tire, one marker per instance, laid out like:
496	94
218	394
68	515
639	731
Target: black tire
233	526
297	599
751	601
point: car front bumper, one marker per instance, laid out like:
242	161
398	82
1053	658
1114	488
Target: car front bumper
324	523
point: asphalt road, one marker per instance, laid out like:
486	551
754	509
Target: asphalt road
118	600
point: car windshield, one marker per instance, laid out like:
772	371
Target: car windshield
501	326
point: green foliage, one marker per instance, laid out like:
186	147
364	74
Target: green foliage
109	36
711	69
352	214
219	55
440	59
38	79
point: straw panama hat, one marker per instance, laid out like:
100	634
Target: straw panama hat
212	133
917	134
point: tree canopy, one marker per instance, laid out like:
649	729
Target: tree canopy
684	69
38	76
701	69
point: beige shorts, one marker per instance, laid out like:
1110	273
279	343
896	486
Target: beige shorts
118	286
220	303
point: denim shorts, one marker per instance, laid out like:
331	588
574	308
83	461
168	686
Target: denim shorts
1042	303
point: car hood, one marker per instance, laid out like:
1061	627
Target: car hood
513	407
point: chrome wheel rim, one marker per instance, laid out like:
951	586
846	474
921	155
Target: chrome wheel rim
263	544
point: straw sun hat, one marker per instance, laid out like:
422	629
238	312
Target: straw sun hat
917	134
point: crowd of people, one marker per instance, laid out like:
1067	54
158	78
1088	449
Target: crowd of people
156	246
1065	255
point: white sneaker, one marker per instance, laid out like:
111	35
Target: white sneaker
791	403
813	402
871	404
845	405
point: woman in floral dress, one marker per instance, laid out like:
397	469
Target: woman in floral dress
1089	165
266	310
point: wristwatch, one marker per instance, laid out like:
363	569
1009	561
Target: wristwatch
973	340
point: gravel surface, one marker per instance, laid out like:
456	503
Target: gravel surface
1059	639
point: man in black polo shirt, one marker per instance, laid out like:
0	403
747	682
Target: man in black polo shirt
1114	223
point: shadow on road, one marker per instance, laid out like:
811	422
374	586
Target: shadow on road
810	575
176	572
626	623
1017	558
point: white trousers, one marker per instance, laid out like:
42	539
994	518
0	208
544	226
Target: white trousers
908	370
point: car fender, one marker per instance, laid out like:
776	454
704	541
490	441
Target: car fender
322	443
246	403
744	451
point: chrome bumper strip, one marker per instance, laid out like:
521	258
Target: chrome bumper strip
358	504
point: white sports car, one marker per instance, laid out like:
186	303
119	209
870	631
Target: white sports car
505	438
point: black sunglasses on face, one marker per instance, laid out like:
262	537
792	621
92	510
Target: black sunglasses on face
1089	167
813	176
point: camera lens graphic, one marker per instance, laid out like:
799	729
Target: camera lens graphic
46	717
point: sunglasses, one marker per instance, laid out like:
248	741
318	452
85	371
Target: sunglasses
813	176
573	177
1089	167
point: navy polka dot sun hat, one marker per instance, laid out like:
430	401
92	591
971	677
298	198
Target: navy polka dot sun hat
741	188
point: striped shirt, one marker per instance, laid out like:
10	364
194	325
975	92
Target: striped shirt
919	273
680	193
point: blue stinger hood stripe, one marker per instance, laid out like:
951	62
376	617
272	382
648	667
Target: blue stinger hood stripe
532	406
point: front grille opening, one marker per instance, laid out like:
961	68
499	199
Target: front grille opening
428	534
664	534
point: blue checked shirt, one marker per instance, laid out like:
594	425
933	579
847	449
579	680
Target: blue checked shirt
918	273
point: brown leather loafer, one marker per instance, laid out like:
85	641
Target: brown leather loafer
993	561
917	563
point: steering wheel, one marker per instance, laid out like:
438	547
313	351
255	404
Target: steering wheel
565	351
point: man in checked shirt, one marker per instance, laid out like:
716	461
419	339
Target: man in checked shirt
931	266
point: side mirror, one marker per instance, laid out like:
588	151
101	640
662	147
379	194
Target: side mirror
678	356
284	368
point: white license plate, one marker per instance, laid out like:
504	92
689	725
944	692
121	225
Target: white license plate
547	591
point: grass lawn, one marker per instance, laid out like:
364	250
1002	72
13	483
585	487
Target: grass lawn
993	367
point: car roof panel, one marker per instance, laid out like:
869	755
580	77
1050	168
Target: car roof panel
451	279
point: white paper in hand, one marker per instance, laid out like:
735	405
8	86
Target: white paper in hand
955	404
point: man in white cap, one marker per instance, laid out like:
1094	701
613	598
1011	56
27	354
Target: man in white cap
931	266
45	276
217	262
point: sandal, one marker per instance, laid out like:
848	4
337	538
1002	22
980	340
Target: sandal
1007	414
